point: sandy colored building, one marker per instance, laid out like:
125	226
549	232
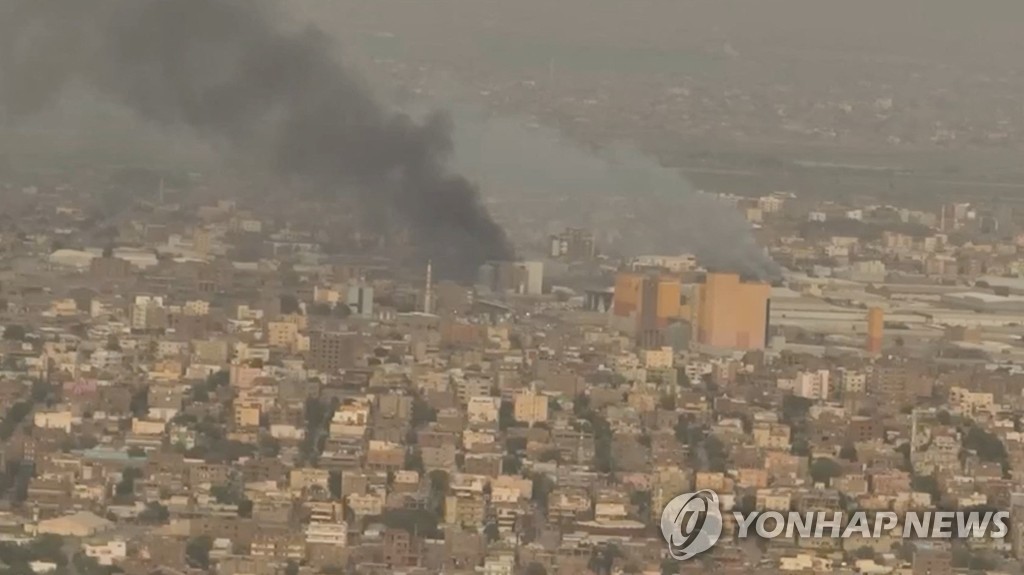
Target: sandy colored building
731	313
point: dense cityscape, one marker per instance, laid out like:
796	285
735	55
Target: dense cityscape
259	316
205	384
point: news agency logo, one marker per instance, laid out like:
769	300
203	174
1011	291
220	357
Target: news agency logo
691	523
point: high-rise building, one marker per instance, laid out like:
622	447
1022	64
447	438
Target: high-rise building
952	216
148	313
876	329
331	351
731	313
512	277
534	277
359	299
201	241
628	293
574	244
428	289
530	407
644	305
812	384
599	300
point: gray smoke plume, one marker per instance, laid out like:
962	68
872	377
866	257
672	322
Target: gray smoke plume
227	71
651	208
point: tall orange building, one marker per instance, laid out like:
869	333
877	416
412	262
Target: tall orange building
730	313
876	329
628	294
644	304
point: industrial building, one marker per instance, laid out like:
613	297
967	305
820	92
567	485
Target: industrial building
644	305
731	313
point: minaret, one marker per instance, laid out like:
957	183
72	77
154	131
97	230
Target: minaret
428	291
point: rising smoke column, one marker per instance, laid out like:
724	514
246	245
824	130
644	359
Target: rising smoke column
654	209
224	69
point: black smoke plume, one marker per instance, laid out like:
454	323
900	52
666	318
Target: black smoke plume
226	70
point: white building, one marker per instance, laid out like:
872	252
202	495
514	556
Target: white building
335	534
141	310
53	420
107	553
812	384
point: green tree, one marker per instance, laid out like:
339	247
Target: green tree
317	417
534	568
926	484
154	513
269	446
848	452
413	461
491	532
864	553
41	391
197	552
542	488
682	379
824	469
334	484
422	412
289	304
987	445
667	402
515	444
718	455
747	504
641	500
581	406
85	565
511	464
795	408
419	522
245	508
439	482
602	431
550	454
688	433
14	333
15	415
140	402
800	447
603	558
904	450
126	487
225	494
319	309
506	415
48	547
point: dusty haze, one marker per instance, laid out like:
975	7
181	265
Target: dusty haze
223	68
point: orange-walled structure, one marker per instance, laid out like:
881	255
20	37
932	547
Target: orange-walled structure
646	302
876	329
732	314
669	294
628	294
